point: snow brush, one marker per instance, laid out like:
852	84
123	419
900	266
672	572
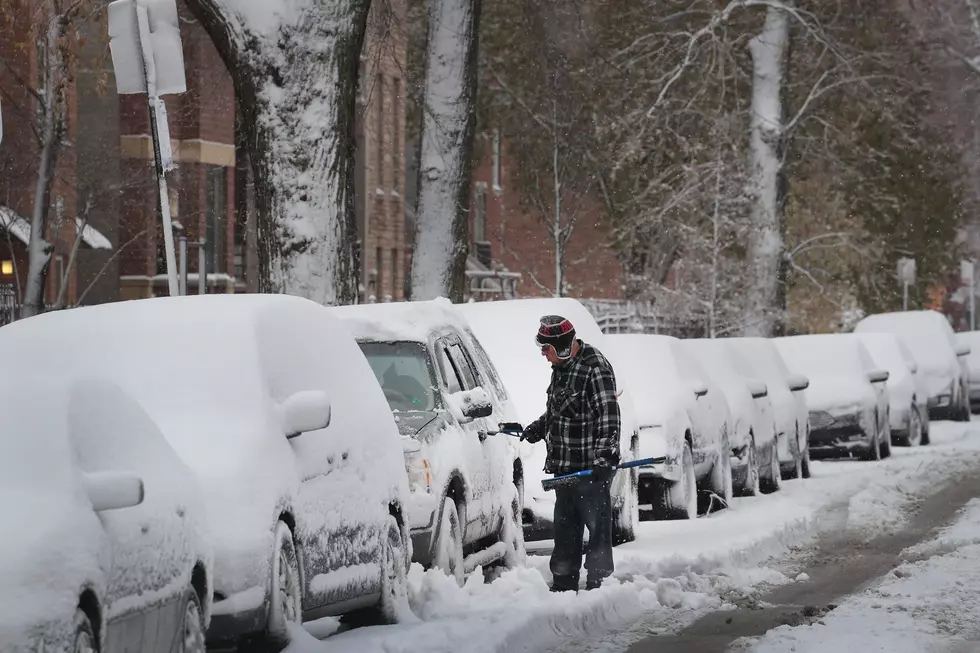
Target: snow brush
571	479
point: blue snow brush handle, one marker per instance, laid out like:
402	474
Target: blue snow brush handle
570	479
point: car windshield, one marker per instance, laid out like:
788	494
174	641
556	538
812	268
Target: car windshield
404	371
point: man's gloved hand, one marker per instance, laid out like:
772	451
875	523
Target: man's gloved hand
532	432
602	471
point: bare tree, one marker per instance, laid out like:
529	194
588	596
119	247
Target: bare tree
295	65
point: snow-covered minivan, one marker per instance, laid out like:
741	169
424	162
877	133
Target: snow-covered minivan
467	482
270	403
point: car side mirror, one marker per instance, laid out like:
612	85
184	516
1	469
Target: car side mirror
757	388
798	382
914	368
468	405
113	490
305	411
963	349
878	376
699	388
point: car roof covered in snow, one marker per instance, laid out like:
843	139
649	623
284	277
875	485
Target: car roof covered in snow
400	321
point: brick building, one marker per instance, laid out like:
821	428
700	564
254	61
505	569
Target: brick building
380	156
507	239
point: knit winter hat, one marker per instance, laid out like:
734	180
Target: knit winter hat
558	332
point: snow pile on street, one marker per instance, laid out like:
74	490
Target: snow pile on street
680	568
928	603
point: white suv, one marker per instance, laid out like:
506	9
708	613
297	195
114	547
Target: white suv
465	476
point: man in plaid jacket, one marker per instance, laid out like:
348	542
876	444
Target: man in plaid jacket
581	427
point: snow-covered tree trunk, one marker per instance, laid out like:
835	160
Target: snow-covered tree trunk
52	130
441	228
295	65
769	50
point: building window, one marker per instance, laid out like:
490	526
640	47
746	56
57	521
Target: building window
7	268
496	160
480	213
380	132
216	216
394	275
396	135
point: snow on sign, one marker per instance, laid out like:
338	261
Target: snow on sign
165	65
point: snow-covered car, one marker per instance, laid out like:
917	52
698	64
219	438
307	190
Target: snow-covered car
104	548
972	340
683	416
506	329
847	397
907	410
270	403
941	358
449	404
755	462
758	359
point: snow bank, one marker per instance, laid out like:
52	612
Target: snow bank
925	604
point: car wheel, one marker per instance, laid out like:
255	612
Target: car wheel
83	640
627	516
448	551
679	499
805	467
394	606
797	469
874	451
192	631
286	595
749	487
772	480
720	481
914	437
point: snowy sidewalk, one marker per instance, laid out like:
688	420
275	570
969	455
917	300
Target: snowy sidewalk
929	603
682	569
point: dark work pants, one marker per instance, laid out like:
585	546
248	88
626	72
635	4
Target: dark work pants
587	504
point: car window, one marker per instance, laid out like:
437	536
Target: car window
405	373
453	384
463	366
487	367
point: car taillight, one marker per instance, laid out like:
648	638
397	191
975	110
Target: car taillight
419	471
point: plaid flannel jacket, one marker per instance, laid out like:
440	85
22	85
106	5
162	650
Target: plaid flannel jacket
582	423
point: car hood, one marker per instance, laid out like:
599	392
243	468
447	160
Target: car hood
838	394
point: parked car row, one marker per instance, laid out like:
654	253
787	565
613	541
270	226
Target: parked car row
224	466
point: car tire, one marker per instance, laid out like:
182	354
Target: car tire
83	636
678	499
874	450
627	516
720	479
914	436
192	630
772	480
393	606
447	551
749	486
805	467
285	588
797	470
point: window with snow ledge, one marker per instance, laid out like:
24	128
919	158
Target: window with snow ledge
495	164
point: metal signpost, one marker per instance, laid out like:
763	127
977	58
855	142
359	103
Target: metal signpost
146	56
968	277
906	276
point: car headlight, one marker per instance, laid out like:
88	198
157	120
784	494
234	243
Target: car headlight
821	419
419	471
943	400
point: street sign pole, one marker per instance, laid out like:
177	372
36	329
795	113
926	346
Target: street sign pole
163	194
144	38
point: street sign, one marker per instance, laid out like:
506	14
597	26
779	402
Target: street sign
906	271
966	272
166	61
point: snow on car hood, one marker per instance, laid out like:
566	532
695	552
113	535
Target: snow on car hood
838	394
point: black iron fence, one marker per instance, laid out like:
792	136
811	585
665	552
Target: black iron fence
8	304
